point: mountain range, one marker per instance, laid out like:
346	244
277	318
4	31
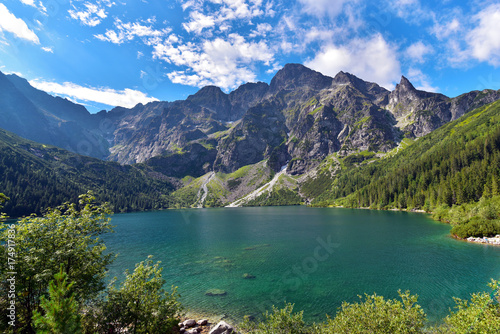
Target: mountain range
217	148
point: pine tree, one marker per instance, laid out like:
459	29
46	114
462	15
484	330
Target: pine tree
494	186
61	309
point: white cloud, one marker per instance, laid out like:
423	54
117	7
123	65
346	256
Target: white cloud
371	59
203	15
444	30
128	31
125	98
411	11
484	39
199	21
262	30
48	49
9	22
225	63
420	80
321	8
418	50
29	2
91	14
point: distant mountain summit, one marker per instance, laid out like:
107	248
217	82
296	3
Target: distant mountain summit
297	120
36	115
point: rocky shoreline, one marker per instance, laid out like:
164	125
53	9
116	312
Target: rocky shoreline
485	240
203	326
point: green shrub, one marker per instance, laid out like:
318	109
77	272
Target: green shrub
377	315
280	321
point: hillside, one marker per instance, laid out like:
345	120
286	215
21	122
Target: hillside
454	166
36	176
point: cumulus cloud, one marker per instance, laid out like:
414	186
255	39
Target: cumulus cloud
48	49
90	14
125	98
198	22
371	59
128	31
484	39
226	63
418	50
10	23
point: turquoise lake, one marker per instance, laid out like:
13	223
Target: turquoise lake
313	257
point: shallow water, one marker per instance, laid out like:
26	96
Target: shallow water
313	257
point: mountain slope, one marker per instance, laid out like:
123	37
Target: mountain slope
456	164
36	176
38	116
299	119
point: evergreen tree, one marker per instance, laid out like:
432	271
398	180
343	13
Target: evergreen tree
60	310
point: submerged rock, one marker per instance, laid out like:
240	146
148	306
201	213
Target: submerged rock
248	276
215	292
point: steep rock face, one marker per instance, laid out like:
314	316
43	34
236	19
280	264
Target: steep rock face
161	129
261	130
213	99
464	103
245	97
195	161
296	76
416	111
419	113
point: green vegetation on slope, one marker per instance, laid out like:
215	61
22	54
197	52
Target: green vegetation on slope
37	176
455	165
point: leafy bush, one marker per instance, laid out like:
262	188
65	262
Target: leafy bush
476	227
67	235
377	315
280	321
140	305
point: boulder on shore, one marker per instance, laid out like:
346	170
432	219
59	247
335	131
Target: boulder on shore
189	323
222	328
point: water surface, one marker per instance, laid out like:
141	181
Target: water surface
313	257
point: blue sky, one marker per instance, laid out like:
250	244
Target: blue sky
115	52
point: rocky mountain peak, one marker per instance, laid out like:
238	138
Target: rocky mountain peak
214	99
405	84
293	76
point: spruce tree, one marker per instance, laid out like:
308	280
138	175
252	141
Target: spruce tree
60	310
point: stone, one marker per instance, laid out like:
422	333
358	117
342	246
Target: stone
222	328
215	292
189	323
248	276
203	322
192	331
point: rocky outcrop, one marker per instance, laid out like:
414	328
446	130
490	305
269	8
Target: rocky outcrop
222	328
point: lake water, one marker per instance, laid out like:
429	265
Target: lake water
313	257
